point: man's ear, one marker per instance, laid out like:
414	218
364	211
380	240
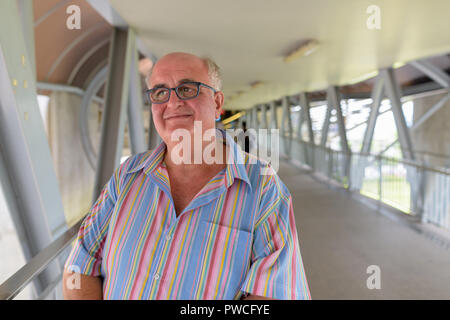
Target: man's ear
219	99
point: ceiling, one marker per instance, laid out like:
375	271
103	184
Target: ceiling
249	39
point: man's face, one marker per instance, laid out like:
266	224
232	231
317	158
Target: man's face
170	71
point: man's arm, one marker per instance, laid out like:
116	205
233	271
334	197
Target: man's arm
90	288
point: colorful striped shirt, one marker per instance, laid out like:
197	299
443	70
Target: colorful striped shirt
236	237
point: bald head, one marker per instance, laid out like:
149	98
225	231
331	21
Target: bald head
183	59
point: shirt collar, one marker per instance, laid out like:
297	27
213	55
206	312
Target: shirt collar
235	167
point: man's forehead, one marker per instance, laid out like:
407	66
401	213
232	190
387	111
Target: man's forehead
177	70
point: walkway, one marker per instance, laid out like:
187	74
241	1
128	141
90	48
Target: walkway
340	237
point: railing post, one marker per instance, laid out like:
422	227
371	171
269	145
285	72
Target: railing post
380	178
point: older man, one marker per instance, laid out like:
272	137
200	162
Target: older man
192	229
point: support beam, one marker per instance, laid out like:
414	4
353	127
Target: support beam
135	104
113	121
430	112
28	171
27	17
433	72
287	121
265	123
154	139
377	96
273	116
304	103
393	92
334	99
326	125
255	122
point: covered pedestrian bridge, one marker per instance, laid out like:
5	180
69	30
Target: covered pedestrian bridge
351	96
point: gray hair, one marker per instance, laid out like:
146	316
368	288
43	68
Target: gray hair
214	73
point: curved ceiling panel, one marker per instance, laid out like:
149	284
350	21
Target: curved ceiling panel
249	39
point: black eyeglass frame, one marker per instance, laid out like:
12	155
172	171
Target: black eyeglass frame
199	84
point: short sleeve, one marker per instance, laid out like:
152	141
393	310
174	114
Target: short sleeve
86	254
277	269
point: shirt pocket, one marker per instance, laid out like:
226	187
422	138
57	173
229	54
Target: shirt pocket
226	258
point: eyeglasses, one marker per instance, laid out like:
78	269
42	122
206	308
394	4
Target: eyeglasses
184	91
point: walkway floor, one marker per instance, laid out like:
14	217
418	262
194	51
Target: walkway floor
340	238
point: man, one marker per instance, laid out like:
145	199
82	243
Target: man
169	229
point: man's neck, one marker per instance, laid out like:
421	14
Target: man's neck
202	158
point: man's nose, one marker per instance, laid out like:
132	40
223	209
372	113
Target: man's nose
174	101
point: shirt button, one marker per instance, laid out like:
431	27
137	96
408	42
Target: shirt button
168	237
156	276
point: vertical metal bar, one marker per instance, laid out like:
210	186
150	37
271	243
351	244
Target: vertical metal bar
335	100
113	122
255	117
135	103
380	178
154	139
305	103
326	125
264	116
286	124
38	215
273	116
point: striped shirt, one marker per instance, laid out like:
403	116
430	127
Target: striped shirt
236	237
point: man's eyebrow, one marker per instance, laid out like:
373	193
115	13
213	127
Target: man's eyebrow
163	85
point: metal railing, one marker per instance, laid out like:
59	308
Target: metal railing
411	187
19	280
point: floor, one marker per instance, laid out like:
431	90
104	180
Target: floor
341	237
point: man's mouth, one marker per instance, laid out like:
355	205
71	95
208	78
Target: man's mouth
178	116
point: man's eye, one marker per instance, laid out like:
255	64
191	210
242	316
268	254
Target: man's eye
160	93
186	89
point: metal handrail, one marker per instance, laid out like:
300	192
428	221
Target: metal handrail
17	282
377	156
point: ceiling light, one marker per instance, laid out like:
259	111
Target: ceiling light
305	49
256	84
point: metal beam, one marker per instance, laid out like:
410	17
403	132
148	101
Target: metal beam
114	116
287	115
273	116
86	142
394	95
433	72
153	136
326	125
377	96
335	100
264	116
27	17
304	103
24	146
135	105
106	10
430	112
